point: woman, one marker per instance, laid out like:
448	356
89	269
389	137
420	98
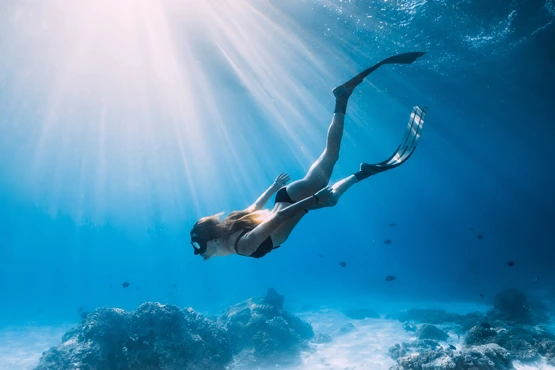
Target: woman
255	232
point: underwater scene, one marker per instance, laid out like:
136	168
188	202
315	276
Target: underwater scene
291	184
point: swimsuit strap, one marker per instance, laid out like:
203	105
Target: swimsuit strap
238	238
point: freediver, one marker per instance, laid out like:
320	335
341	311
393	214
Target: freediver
254	232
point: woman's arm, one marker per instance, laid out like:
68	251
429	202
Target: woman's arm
251	240
279	182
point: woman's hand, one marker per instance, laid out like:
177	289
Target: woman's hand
326	197
281	180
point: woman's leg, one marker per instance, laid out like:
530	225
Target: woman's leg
281	233
319	174
341	186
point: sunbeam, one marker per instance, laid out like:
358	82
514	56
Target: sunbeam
144	105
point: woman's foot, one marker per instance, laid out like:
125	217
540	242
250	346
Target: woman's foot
343	92
367	170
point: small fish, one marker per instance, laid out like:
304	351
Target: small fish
390	278
526	307
511	263
486	325
126	284
537	279
343	263
393	225
387	241
452	347
320	255
175	285
482	296
480	236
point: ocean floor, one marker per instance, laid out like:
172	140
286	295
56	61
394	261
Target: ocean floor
21	347
355	344
367	346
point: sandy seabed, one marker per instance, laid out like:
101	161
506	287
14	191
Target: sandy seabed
364	347
22	346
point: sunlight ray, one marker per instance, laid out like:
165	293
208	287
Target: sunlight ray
153	104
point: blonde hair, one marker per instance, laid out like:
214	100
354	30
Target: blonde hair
210	227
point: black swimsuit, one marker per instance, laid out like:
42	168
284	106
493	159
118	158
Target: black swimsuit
263	249
267	245
283	196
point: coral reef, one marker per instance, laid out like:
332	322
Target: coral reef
263	333
409	326
154	336
479	335
273	298
397	350
428	331
257	332
546	348
510	331
422	345
513	305
489	356
510	305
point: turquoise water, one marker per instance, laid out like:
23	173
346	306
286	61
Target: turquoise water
122	124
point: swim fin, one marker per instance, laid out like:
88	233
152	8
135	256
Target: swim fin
404	150
405	58
344	91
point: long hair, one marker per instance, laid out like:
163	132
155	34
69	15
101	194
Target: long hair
210	227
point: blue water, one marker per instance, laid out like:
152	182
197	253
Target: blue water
121	125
